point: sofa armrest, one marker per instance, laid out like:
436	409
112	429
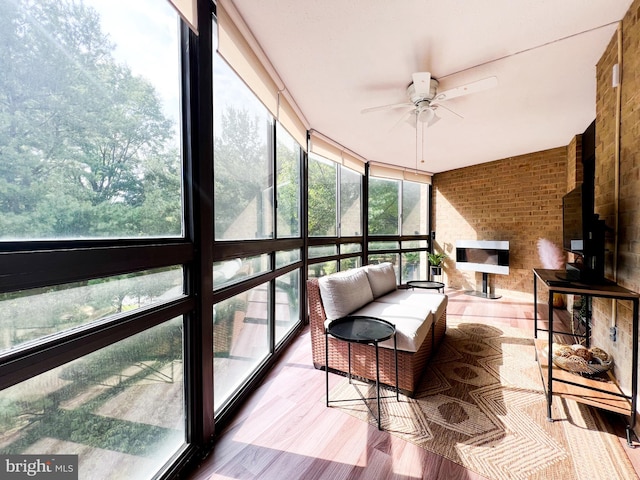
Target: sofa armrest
317	317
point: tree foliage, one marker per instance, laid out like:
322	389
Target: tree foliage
322	198
383	206
241	176
85	149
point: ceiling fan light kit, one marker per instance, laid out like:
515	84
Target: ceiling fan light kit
425	98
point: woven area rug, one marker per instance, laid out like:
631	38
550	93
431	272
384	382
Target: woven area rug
481	405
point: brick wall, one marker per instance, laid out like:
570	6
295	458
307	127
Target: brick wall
623	258
518	199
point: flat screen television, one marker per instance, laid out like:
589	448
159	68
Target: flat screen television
487	256
583	235
572	231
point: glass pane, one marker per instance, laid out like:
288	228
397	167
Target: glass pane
29	315
243	180
415	244
323	251
317	270
287	303
288	184
383	206
383	245
287	258
415	208
350	248
350	203
351	262
322	197
414	266
386	257
229	272
240	340
89	121
121	408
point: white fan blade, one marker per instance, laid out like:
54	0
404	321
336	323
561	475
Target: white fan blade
422	83
386	107
472	87
406	117
440	105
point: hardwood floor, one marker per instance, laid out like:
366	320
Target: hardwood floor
285	431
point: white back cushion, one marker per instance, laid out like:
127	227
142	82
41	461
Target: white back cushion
344	292
382	278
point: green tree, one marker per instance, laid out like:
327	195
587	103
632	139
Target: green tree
288	188
241	174
383	206
322	198
81	137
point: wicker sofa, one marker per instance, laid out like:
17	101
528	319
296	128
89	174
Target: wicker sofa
420	317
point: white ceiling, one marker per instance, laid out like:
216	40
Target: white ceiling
337	57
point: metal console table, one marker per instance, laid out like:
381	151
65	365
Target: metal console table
605	395
362	329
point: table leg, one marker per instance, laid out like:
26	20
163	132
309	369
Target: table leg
549	361
326	362
378	387
535	306
349	359
587	327
395	354
634	362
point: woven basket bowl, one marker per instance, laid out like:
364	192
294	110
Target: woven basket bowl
575	364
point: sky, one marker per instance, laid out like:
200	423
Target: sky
146	34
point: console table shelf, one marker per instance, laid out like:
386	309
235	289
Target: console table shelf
581	389
601	394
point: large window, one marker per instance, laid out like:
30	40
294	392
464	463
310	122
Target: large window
384	204
334	188
89	121
335	216
415	201
243	180
399	226
350	203
29	315
288	184
96	270
241	340
121	409
257	197
323	196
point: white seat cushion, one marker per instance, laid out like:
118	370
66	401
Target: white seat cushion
437	302
412	323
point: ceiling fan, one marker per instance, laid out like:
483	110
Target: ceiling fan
425	98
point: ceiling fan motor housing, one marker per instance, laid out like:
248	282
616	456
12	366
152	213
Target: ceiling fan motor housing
417	97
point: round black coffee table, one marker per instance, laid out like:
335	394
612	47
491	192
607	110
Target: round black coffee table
367	330
427	285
